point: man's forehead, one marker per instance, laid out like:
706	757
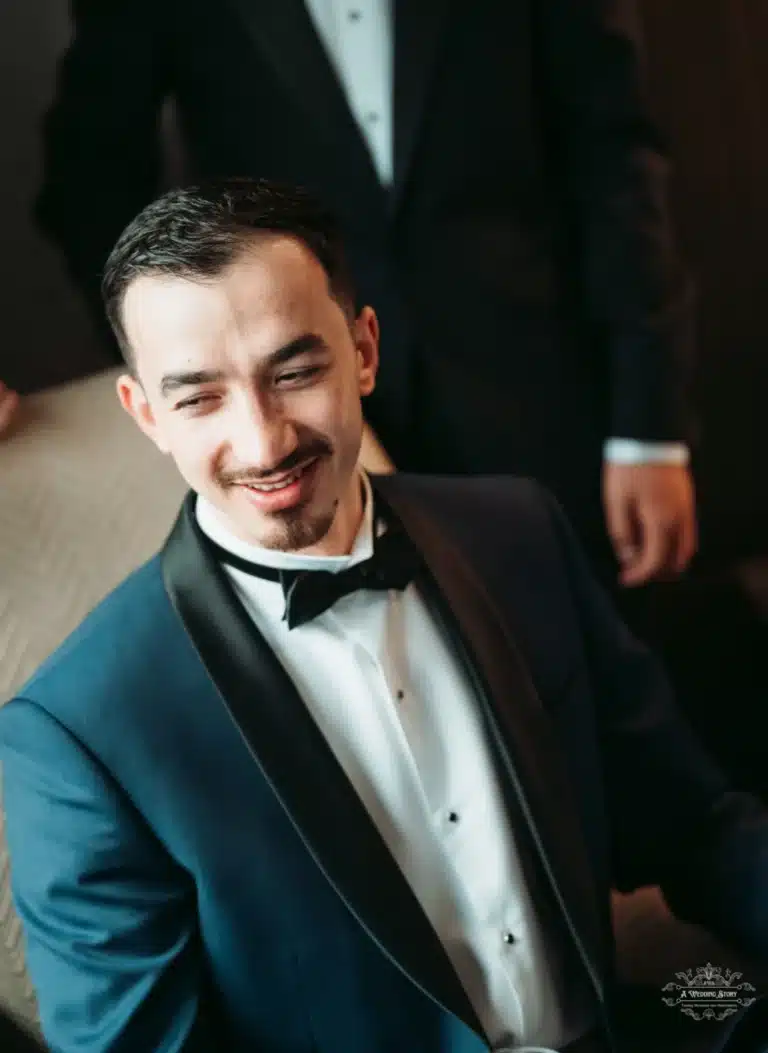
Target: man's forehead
160	310
279	271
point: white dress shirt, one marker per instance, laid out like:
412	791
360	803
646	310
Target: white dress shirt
358	38
395	707
357	35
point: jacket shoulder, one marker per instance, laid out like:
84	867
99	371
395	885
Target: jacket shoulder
124	631
522	504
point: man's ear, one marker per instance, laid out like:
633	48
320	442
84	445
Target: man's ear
366	337
134	401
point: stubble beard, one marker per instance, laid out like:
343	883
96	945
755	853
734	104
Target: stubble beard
297	529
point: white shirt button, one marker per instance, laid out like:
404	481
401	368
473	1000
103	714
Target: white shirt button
354	15
508	937
453	817
372	117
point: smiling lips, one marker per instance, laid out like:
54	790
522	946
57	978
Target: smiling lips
276	495
265	488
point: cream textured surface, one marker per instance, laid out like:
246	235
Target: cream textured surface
84	499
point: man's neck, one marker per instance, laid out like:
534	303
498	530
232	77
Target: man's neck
340	539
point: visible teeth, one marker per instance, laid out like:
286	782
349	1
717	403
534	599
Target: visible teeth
268	487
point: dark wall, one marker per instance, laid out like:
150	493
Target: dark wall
46	335
709	82
709	78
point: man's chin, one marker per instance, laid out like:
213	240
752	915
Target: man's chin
286	530
296	532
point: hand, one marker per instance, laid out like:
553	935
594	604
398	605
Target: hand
9	402
650	513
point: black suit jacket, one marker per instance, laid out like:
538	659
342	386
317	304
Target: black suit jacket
522	265
178	825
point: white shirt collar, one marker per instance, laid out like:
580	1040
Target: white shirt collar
212	524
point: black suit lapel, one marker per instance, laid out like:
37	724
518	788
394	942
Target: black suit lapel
418	26
301	769
283	33
523	734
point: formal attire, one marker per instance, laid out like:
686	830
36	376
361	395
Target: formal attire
392	827
500	189
416	756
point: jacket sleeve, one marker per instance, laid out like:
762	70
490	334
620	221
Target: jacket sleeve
109	919
101	148
674	819
614	171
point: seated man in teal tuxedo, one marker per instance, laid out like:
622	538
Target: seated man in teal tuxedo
352	764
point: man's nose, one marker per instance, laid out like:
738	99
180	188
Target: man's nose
262	437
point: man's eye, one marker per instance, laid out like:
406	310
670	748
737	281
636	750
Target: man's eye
196	400
297	376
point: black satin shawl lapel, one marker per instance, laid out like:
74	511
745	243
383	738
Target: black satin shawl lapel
525	737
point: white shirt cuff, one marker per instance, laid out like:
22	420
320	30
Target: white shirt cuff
633	451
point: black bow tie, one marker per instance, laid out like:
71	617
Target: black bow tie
309	593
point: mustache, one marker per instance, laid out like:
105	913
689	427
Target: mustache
306	452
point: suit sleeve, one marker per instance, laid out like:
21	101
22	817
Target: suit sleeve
674	819
101	135
614	169
108	918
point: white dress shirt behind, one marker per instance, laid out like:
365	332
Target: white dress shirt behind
357	35
395	707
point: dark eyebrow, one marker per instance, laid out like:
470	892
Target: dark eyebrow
300	346
194	378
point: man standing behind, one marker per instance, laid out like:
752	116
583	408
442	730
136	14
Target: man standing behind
503	198
352	765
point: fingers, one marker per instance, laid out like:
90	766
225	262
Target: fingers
623	528
655	554
668	545
686	541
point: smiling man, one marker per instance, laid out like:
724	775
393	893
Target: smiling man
352	764
251	376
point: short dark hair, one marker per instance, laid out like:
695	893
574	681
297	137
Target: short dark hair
197	231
